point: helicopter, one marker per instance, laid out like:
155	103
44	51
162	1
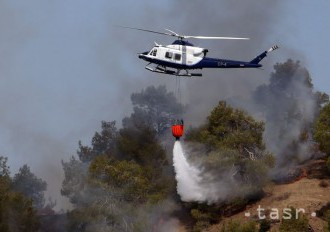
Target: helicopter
182	56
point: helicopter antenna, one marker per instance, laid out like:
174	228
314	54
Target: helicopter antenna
181	37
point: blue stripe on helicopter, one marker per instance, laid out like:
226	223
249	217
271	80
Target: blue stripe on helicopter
206	62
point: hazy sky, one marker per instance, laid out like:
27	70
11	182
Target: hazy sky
65	66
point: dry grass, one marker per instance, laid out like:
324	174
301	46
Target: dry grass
282	197
305	193
324	184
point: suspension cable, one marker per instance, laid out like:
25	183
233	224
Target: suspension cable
179	91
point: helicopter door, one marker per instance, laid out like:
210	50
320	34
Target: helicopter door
169	55
177	58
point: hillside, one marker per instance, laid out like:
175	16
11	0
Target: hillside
305	193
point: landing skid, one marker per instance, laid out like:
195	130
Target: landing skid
178	72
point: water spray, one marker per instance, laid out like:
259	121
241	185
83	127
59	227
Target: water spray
187	176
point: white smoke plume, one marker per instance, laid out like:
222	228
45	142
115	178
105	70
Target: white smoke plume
290	106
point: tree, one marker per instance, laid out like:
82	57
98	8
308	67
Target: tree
322	132
290	106
136	183
234	147
231	129
124	172
155	108
103	142
75	181
30	185
4	169
4	175
16	210
17	213
141	145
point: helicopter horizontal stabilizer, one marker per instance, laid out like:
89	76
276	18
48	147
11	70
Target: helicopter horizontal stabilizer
263	55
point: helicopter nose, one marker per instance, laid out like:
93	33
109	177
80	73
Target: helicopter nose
142	55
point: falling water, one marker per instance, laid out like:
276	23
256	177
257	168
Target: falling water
187	176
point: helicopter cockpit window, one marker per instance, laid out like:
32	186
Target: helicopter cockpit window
168	55
154	52
177	56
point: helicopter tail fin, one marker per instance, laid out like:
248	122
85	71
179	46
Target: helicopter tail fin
263	55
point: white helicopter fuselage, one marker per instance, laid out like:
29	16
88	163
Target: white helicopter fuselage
175	55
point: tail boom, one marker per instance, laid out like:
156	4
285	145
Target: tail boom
263	55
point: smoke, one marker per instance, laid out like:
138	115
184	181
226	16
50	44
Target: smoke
170	225
107	211
261	24
251	19
62	71
288	105
64	68
283	128
290	119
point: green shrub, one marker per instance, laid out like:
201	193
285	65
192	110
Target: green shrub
264	225
294	224
237	226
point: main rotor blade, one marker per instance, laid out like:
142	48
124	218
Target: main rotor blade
174	34
210	37
155	32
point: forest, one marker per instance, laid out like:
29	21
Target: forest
124	180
